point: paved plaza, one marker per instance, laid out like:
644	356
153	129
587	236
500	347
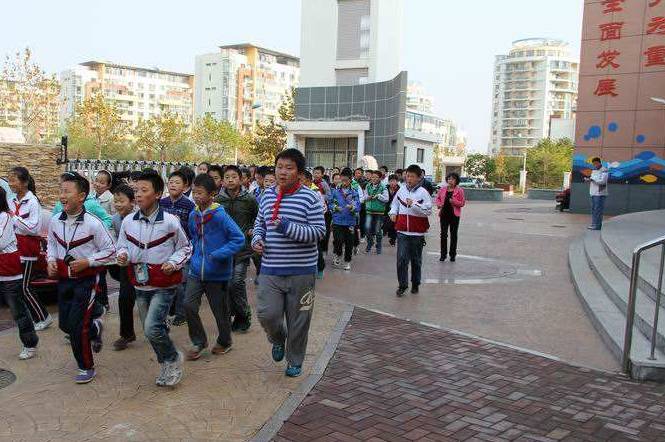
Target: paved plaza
391	378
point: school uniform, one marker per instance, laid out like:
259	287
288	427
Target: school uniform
77	237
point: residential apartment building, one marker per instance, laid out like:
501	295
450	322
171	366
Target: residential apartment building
243	83
138	93
535	83
417	98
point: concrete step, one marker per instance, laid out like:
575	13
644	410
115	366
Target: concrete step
609	320
616	285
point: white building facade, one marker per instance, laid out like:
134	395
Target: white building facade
243	84
137	93
535	83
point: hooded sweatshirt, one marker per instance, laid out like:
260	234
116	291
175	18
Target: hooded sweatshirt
412	220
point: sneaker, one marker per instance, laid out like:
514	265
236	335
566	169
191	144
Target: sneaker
179	321
194	353
277	352
347	266
43	325
392	243
169	320
293	371
337	261
161	378
220	349
173	374
452	258
443	258
319	275
400	292
97	343
241	325
122	343
27	353
355	250
85	376
414	289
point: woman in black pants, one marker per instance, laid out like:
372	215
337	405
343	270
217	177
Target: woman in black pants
450	201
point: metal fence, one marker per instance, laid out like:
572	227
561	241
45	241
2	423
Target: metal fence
90	168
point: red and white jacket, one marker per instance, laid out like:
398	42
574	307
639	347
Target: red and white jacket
10	259
412	220
28	224
154	240
82	238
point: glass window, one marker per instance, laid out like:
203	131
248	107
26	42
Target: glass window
420	155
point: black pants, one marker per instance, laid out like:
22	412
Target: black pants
218	300
35	305
389	229
126	301
11	292
78	312
361	221
452	223
102	290
323	244
409	251
343	238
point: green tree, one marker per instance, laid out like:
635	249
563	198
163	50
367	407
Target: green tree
268	140
479	165
217	141
96	129
547	161
160	136
29	98
287	110
436	162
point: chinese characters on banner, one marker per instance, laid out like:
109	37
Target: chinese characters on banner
653	55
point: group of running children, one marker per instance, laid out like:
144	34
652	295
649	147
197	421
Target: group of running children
166	252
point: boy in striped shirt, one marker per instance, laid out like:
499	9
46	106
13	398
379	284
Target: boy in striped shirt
288	227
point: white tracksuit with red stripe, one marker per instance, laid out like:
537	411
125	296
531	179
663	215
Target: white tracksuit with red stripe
154	240
412	221
10	261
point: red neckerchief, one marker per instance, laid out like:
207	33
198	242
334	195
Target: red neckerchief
319	184
280	195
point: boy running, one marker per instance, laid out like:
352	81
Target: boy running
288	227
79	246
154	247
375	206
344	205
215	238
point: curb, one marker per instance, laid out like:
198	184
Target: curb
284	412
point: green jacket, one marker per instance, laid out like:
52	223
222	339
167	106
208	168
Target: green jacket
376	198
243	210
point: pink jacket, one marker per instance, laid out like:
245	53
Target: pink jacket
458	201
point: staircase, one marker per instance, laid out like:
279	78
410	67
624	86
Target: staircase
600	266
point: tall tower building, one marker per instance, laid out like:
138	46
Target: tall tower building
535	83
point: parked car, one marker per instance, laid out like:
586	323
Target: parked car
469	182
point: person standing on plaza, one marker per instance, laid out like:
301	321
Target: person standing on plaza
11	276
154	247
79	248
375	207
123	200
598	191
450	200
344	204
27	219
216	238
389	225
410	211
176	203
241	206
288	227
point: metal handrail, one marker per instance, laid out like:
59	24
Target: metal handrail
632	295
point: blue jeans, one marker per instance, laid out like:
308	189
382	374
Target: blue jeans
374	230
597	208
153	309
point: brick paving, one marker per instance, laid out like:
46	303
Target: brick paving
394	380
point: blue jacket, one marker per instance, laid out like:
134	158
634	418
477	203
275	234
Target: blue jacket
215	239
338	202
93	207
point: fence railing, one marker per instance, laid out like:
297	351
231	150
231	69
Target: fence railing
89	168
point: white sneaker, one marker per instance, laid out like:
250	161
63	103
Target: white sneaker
174	372
337	261
347	266
43	325
161	378
27	353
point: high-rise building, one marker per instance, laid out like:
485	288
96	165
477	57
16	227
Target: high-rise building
535	83
243	83
138	93
352	97
417	98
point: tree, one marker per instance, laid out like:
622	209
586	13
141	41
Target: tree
29	95
479	165
96	128
436	163
268	141
547	161
287	110
160	136
217	141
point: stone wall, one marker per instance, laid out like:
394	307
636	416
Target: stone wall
40	160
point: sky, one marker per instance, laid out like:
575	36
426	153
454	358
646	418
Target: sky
448	46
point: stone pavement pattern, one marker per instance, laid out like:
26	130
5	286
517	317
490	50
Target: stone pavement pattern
394	380
225	397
